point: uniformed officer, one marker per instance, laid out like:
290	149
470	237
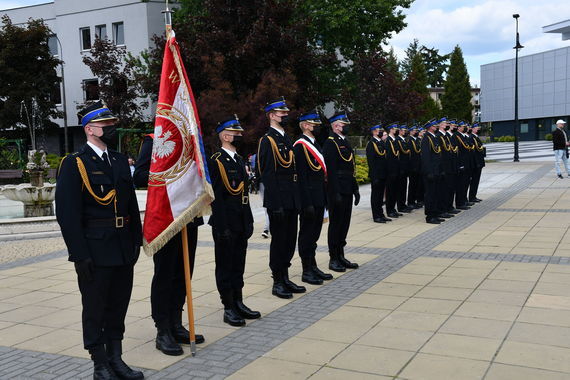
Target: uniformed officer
281	196
405	157
341	188
377	172
97	211
231	221
480	153
450	130
311	170
420	193
393	158
432	173
465	161
415	147
168	286
448	169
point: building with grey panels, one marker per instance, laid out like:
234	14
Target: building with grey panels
544	93
129	23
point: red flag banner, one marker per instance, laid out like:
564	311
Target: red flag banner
179	186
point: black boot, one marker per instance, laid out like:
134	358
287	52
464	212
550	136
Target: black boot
165	342
320	273
335	263
293	288
309	276
101	368
345	262
243	310
180	333
231	315
121	369
279	288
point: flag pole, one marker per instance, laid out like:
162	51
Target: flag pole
185	251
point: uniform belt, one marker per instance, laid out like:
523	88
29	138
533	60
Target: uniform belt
118	222
347	173
287	176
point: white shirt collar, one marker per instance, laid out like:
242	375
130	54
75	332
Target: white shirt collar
232	154
311	139
341	136
431	133
282	133
97	150
377	139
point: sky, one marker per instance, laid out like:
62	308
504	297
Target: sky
485	30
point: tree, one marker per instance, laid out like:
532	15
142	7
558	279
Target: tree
353	27
412	51
436	65
392	63
456	100
28	76
117	87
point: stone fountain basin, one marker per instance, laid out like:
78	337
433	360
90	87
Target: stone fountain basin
28	194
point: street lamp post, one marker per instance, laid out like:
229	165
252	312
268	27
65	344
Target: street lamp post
517	126
65	137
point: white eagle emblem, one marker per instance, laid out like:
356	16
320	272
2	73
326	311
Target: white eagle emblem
162	147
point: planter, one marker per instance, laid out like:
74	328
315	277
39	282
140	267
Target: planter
37	178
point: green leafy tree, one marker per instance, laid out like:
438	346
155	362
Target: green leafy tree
456	100
28	77
412	51
436	66
392	63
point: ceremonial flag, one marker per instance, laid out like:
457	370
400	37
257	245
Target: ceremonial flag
179	187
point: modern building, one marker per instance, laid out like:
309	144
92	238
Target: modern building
436	92
544	91
128	23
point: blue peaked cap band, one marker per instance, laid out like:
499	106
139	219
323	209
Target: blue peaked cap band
272	106
309	116
228	124
441	120
92	115
342	117
375	127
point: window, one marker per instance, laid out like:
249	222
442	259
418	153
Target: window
118	33
91	89
85	35
524	127
55	93
101	31
52	45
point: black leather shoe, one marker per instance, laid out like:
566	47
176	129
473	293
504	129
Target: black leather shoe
309	276
320	273
244	311
336	265
393	214
407	210
446	215
182	335
470	204
348	264
386	219
279	289
101	368
291	286
433	221
165	342
121	369
453	211
441	219
476	200
232	318
463	207
379	220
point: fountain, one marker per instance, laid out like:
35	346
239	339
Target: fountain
37	196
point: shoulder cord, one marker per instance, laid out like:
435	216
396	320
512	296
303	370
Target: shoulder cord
397	154
464	145
340	154
417	150
433	147
445	146
378	150
233	191
402	148
283	162
103	201
454	149
313	167
479	147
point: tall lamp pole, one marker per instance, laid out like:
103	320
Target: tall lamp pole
517	126
65	138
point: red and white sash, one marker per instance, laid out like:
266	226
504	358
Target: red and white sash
314	152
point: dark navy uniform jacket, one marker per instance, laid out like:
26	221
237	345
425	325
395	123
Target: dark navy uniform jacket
341	179
77	210
280	182
416	158
311	182
377	163
229	211
431	155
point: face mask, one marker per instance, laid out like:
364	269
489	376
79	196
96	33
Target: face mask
237	141
284	121
447	128
396	132
345	129
316	129
109	136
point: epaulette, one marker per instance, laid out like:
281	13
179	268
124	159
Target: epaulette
331	138
61	162
215	156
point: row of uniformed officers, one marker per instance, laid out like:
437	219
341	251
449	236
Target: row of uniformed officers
437	166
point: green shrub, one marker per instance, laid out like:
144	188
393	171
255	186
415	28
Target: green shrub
9	158
548	137
53	160
361	170
506	139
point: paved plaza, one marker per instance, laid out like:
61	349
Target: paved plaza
481	296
